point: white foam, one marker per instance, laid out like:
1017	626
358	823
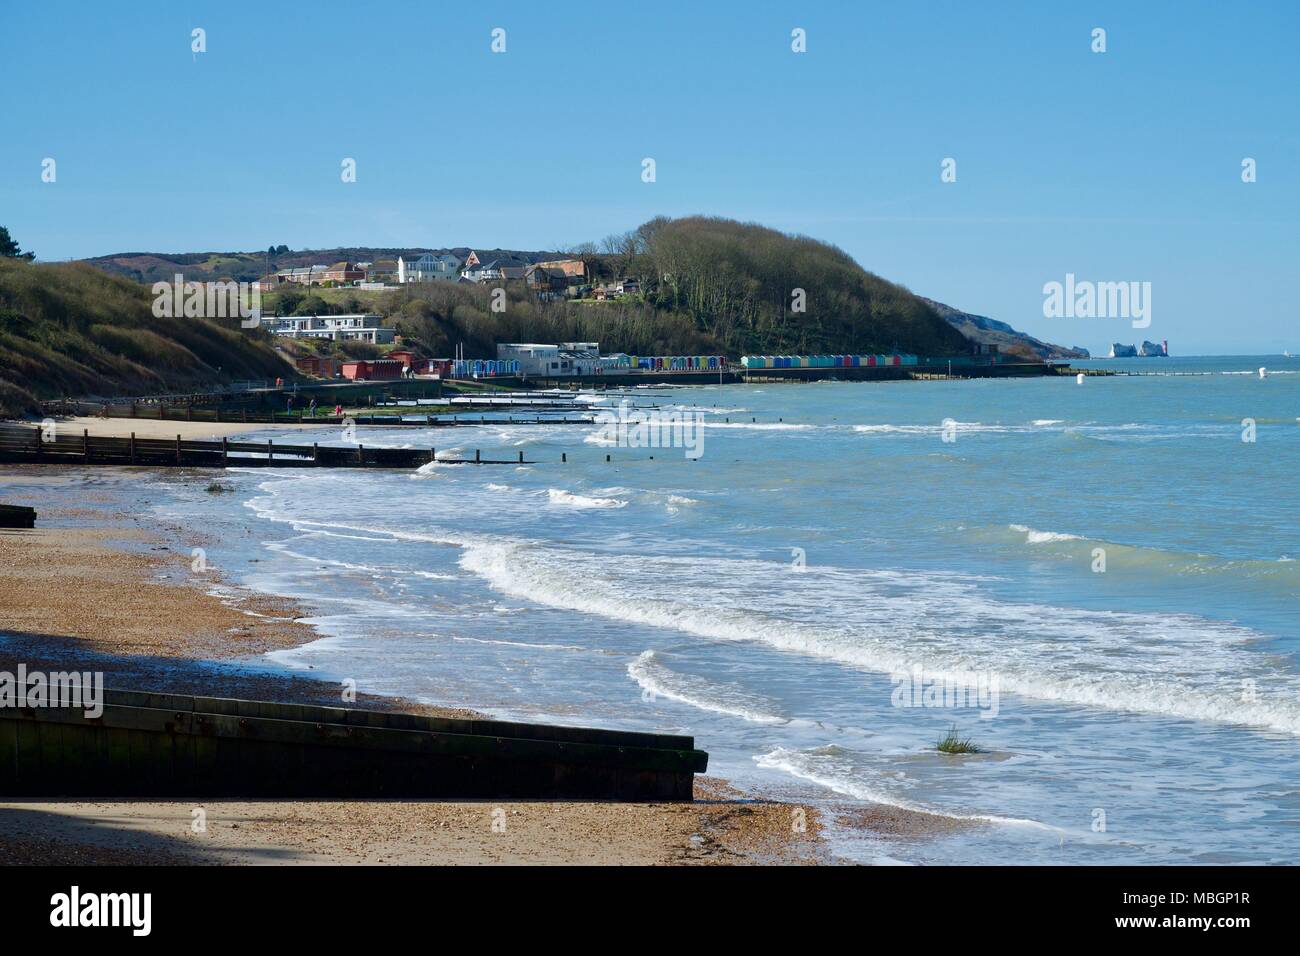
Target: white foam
337	534
530	646
282	548
824	769
955	426
677	502
655	678
559	496
760	426
1112	661
1043	537
1151	431
891	620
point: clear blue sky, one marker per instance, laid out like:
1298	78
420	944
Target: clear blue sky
1117	166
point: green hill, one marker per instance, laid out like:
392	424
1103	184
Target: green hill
71	330
707	286
739	283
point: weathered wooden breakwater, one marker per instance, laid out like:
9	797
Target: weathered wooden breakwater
29	446
302	416
162	745
17	516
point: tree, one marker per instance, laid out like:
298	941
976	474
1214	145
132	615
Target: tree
288	300
312	305
9	248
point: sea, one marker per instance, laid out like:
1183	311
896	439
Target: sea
1096	584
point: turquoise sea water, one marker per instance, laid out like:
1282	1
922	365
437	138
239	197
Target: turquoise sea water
829	537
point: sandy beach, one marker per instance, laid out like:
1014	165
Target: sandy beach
101	586
720	827
153	428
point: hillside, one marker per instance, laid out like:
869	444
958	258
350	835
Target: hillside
707	285
739	284
69	329
151	267
986	331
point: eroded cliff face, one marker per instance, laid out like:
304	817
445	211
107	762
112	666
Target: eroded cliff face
986	331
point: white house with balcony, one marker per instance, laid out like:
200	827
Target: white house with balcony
428	268
361	328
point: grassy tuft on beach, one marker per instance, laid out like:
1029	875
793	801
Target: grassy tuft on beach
954	743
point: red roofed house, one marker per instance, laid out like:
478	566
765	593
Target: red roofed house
343	273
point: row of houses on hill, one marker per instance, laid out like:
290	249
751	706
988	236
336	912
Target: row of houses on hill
555	278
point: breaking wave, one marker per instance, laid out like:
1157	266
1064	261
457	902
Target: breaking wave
558	496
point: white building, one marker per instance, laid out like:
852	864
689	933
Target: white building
567	358
427	268
533	359
363	328
482	272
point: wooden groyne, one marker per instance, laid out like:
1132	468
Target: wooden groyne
174	413
22	445
17	516
162	745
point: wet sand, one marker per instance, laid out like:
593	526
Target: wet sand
97	585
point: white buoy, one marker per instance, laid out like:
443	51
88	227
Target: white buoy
1079	378
1263	372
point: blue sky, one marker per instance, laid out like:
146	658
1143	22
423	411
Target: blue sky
1118	166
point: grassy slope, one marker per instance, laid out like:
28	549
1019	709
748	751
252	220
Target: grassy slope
736	282
70	329
710	286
